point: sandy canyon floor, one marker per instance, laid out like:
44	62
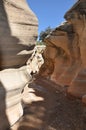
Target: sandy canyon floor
49	108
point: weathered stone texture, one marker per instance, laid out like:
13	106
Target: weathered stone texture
78	86
12	83
66	46
18	32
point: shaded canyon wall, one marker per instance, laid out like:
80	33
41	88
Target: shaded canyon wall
18	34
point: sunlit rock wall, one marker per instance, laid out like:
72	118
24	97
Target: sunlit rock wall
66	46
18	33
77	17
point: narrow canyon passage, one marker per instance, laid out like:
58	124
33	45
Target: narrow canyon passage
51	109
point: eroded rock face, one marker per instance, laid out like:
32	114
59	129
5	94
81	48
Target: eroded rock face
68	44
62	42
18	33
78	85
12	84
77	16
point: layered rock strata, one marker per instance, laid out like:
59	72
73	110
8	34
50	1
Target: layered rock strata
12	81
66	46
18	33
12	84
64	53
77	16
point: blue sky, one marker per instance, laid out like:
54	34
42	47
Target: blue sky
50	12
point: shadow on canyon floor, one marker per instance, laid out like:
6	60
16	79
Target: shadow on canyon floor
4	123
54	112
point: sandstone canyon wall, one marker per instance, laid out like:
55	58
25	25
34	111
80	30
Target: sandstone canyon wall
64	55
66	48
18	34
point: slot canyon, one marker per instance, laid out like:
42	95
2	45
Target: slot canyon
42	87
